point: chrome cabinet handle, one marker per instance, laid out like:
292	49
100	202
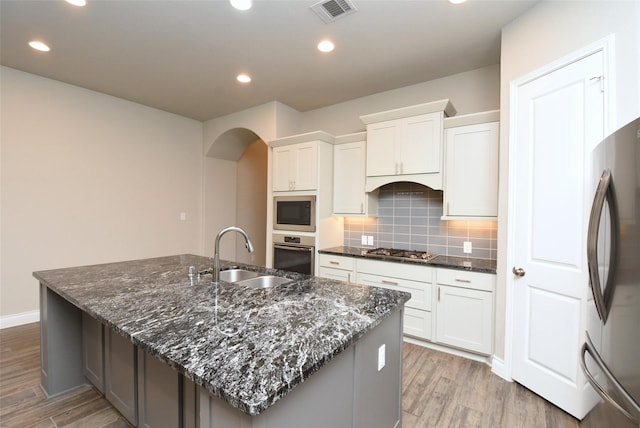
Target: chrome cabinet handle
602	297
518	271
466	281
588	348
333	262
384	281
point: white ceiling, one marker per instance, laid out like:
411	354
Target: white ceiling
182	56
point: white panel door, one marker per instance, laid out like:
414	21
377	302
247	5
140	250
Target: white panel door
559	119
381	148
283	158
348	178
305	166
421	148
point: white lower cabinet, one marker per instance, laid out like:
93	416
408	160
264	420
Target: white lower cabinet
337	267
464	310
413	279
451	307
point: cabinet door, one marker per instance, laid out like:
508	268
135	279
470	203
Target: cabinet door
348	178
471	173
120	375
158	393
93	351
381	148
464	318
283	158
305	166
420	146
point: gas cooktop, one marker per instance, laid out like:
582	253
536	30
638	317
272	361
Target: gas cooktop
399	254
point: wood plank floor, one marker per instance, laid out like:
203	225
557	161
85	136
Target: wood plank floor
439	390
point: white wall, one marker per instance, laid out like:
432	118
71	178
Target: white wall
89	178
266	122
252	203
470	92
547	32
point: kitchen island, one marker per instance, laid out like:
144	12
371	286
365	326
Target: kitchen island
312	352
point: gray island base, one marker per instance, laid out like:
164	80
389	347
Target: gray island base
168	351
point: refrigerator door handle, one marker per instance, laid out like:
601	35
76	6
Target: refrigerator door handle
634	413
602	296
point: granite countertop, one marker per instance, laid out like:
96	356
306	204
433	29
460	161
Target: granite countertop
247	346
449	262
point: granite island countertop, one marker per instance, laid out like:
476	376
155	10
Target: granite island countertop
449	262
248	346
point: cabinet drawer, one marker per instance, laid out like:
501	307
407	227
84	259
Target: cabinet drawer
336	262
466	279
396	270
338	274
420	291
417	323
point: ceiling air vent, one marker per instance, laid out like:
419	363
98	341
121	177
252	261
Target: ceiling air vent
331	10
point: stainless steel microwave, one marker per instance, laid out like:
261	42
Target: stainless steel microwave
295	213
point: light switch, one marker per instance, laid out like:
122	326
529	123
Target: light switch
364	239
370	240
381	356
183	216
466	247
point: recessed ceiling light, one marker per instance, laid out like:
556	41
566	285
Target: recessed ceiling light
326	46
39	46
457	1
241	4
77	2
243	78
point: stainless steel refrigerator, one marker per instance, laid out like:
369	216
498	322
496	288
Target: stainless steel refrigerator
610	356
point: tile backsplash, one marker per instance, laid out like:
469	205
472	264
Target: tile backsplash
409	219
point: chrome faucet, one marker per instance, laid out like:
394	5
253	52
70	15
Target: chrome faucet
216	254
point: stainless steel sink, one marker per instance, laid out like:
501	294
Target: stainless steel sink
265	281
251	279
237	275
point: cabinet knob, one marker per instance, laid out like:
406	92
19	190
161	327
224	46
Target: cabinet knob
518	271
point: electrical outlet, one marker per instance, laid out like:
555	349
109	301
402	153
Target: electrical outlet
183	216
370	240
381	356
363	239
466	247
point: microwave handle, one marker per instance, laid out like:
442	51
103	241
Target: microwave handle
588	348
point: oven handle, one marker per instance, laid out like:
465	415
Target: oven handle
588	348
293	248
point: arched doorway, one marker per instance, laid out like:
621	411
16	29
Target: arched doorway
235	194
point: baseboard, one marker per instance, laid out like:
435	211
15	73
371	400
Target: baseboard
499	368
453	351
13	320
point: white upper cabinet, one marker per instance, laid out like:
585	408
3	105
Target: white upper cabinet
406	144
471	167
349	196
295	167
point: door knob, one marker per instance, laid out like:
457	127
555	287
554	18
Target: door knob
518	271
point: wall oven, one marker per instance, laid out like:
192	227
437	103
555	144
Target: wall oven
295	213
294	253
